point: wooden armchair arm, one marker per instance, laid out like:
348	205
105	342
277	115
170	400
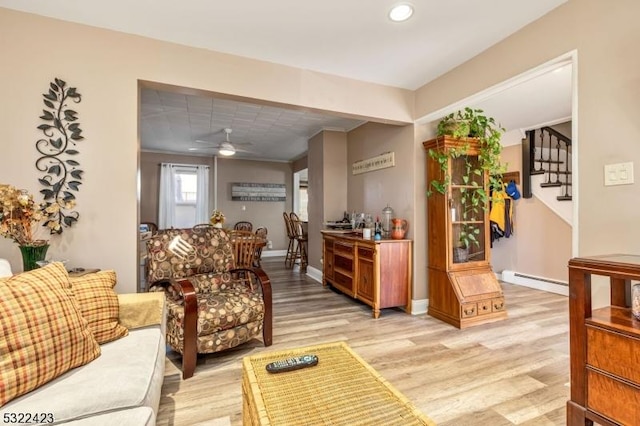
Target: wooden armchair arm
265	285
190	323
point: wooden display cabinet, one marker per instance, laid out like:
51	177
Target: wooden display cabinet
377	273
463	290
604	344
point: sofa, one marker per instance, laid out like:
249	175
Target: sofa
121	385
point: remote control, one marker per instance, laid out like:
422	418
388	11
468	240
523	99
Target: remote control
292	363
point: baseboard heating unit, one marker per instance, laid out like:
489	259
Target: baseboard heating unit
532	281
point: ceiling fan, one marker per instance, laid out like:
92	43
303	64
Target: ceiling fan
225	148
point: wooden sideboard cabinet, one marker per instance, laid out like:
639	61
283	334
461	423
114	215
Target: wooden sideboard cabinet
604	344
377	273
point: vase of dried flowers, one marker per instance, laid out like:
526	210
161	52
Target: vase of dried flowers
33	253
217	219
18	215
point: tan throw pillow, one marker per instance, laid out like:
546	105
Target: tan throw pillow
99	304
42	332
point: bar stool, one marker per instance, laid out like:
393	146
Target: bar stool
301	240
291	252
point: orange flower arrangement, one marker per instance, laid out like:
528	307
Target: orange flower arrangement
19	212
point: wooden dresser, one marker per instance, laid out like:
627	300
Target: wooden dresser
376	272
604	344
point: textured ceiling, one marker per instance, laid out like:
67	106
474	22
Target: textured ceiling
172	122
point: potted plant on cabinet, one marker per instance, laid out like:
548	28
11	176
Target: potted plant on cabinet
468	126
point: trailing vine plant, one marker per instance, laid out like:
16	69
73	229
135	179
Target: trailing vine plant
464	124
62	176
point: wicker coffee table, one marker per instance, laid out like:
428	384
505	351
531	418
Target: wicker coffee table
341	390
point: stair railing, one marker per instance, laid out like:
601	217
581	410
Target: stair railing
550	156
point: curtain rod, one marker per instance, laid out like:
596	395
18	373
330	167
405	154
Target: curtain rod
183	165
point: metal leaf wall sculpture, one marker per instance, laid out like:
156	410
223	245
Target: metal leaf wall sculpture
62	176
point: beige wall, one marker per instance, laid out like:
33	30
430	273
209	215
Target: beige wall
315	192
267	214
259	213
541	242
605	35
371	192
299	164
327	161
105	66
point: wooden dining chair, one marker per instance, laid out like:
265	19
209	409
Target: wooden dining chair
243	226
152	227
244	252
261	232
244	243
202	226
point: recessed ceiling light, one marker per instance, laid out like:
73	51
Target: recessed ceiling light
401	12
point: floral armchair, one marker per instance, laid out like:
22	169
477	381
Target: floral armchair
211	305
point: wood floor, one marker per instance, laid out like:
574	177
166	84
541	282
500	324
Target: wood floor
514	371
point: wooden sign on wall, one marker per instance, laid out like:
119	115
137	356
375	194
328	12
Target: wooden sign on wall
241	191
378	162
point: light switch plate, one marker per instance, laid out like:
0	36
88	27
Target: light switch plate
618	174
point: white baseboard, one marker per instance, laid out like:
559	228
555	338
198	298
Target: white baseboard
419	307
531	281
273	253
314	274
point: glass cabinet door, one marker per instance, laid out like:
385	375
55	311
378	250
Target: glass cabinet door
466	207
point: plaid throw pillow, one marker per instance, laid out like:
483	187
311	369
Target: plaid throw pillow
42	333
99	304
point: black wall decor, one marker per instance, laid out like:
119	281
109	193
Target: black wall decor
62	176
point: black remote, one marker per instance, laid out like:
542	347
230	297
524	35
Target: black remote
290	364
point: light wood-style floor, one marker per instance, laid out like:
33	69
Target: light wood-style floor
514	371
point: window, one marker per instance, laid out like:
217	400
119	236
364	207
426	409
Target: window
184	196
186	186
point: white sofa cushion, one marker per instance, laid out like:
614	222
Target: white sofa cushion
141	416
5	268
127	375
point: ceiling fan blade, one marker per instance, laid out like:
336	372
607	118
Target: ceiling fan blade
204	148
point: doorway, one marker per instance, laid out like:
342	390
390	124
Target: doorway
526	252
300	194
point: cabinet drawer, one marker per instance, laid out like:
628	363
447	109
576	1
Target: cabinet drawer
328	244
484	307
614	353
613	399
497	304
343	281
342	248
343	263
468	310
365	253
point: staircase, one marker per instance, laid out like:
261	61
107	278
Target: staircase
546	163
